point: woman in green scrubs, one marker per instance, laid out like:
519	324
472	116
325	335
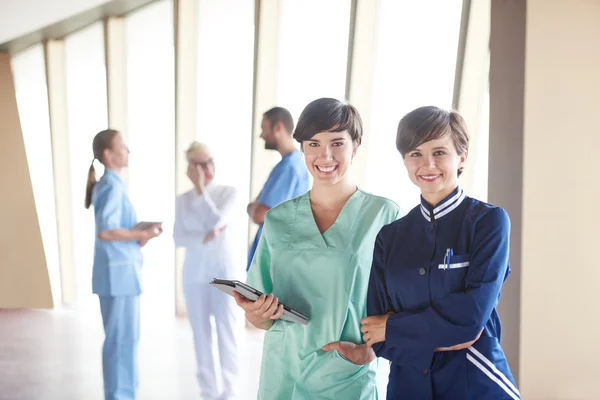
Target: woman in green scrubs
315	256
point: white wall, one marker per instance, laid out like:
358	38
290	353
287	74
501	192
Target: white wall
560	321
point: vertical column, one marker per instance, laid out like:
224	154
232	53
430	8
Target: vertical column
186	83
54	51
505	176
472	75
24	280
265	89
116	76
361	73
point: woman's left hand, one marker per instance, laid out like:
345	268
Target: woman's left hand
373	328
215	233
359	354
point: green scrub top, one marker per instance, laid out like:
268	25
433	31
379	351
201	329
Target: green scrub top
325	277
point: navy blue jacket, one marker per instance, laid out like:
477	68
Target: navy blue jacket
440	271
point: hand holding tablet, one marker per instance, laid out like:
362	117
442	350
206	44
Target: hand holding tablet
229	286
154	228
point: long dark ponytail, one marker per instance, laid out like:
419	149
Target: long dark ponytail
102	141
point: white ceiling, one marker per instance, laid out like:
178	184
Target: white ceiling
20	17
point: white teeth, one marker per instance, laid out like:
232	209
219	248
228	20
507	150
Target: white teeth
325	169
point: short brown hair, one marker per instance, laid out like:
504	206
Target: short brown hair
429	123
280	114
328	115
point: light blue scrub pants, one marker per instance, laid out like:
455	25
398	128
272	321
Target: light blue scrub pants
121	318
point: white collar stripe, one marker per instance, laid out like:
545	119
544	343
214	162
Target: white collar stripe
425	215
445	208
452	207
448	202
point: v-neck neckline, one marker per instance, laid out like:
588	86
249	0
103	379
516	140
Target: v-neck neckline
341	223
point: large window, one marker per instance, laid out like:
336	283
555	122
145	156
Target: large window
313	51
225	98
87	115
415	66
32	99
151	136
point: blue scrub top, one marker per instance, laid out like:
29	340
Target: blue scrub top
289	179
117	264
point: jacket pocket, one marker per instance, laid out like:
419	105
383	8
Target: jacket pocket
272	360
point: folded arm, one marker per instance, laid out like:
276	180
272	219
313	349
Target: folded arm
456	321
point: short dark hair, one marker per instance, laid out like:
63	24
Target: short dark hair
328	115
429	123
280	114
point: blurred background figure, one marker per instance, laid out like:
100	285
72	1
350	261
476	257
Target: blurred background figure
288	179
117	265
202	216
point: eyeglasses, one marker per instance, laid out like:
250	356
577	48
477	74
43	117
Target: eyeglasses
205	164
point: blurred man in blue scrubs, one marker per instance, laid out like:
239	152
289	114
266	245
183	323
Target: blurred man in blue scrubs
288	179
117	265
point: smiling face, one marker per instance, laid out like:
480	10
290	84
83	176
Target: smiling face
433	167
328	156
434	144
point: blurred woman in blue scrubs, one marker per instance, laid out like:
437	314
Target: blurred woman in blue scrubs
117	265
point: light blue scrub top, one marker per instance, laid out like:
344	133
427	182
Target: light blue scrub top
288	179
117	264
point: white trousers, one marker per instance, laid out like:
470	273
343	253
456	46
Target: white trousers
202	301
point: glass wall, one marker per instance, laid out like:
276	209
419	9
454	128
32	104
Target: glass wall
225	80
415	66
151	137
313	51
87	115
416	48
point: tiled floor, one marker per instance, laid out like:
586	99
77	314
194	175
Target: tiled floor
57	355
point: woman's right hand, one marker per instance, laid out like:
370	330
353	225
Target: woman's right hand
460	346
151	232
262	312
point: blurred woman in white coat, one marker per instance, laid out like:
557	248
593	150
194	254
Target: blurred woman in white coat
202	216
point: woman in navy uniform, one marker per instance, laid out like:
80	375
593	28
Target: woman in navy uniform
437	275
